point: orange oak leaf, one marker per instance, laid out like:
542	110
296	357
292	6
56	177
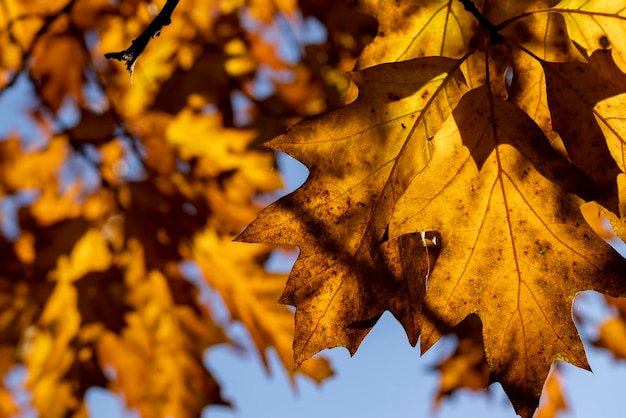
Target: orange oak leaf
502	185
495	190
344	278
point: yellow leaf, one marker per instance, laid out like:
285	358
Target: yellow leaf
199	135
596	24
251	295
361	157
30	170
158	356
57	68
113	166
90	253
49	354
52	207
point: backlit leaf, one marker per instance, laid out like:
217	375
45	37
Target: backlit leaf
253	301
540	251
447	173
417	29
344	279
595	24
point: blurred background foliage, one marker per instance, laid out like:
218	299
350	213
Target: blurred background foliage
119	198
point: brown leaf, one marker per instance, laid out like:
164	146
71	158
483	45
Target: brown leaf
573	90
93	128
339	217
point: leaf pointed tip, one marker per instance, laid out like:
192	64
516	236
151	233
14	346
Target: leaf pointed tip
247	236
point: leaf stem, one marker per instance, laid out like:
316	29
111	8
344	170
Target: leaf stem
495	36
130	54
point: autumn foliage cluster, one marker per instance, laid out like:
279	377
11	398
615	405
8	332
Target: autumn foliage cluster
127	197
451	146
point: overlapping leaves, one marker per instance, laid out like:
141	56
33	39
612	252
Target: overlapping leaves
527	129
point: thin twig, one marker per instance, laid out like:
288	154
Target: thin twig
130	55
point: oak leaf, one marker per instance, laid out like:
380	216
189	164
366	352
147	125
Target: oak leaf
596	25
157	357
553	401
493	187
344	279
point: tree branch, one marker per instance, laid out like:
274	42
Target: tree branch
130	55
